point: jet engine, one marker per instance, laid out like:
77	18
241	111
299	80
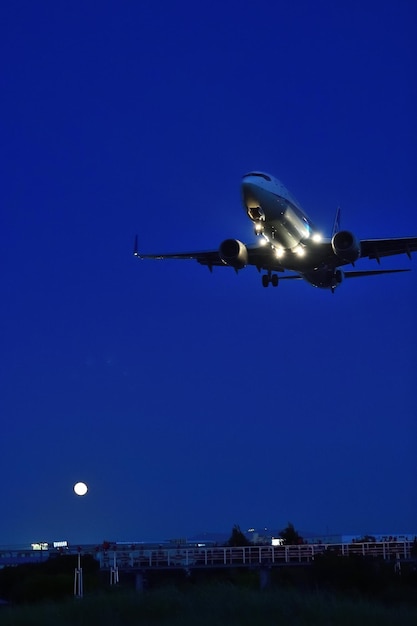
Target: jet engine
346	246
233	252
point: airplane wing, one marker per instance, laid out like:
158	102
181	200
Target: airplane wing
209	258
377	248
259	256
262	259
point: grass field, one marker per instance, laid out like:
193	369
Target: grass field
214	605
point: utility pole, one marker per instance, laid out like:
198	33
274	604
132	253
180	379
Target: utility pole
78	578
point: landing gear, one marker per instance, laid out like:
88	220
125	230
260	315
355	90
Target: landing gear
336	279
270	278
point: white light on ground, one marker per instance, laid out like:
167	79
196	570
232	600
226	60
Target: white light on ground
80	489
277	541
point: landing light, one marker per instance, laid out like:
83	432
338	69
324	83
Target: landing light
258	227
263	241
279	252
317	237
300	251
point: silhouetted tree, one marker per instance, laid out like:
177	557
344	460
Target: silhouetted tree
290	536
365	539
237	538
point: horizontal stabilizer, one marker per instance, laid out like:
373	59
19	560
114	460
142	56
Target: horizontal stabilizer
358	274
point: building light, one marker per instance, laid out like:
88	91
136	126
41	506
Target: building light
39	546
277	541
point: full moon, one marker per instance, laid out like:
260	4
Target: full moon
80	489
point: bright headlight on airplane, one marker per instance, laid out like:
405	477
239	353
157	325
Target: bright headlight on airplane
300	251
317	237
279	252
263	241
258	227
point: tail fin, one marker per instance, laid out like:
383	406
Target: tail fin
336	224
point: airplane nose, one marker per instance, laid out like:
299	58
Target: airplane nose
249	193
248	186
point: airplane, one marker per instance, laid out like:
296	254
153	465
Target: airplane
289	241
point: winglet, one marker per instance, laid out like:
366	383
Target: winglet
135	247
336	224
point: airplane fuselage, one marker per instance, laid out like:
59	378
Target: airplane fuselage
276	214
282	224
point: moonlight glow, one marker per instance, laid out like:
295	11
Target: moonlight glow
80	489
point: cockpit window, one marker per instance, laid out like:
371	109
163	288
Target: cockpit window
260	174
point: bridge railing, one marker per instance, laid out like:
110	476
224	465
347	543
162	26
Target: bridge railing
246	556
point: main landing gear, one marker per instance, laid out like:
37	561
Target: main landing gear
336	279
270	278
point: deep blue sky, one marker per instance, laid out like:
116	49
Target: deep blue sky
187	401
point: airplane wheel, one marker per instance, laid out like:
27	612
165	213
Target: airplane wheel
265	280
274	280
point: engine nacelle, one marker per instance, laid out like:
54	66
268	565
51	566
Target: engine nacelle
233	252
346	246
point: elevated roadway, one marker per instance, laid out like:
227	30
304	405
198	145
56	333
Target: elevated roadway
138	557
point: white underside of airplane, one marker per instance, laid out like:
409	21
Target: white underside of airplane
287	240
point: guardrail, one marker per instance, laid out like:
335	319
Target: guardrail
187	557
20	557
141	557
